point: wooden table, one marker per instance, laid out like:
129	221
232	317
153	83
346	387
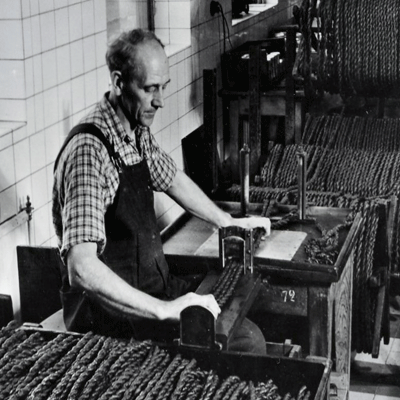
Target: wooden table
320	294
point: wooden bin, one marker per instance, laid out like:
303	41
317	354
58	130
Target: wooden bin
289	374
320	294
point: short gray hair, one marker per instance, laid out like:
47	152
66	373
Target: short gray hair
121	53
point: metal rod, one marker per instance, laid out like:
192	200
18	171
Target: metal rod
302	181
151	10
245	178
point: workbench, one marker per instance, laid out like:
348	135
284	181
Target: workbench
319	295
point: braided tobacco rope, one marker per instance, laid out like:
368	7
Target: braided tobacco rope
85	356
56	372
158	375
125	368
358	46
49	356
19	353
101	378
9	341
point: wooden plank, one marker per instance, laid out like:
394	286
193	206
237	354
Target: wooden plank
281	245
320	304
6	310
343	306
39	282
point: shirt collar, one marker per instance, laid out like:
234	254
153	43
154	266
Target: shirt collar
107	109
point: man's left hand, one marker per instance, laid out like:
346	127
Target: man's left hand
254	222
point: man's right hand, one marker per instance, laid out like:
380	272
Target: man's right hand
173	308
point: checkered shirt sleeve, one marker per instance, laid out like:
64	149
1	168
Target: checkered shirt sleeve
162	167
86	192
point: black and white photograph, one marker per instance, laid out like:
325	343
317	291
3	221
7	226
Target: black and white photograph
200	199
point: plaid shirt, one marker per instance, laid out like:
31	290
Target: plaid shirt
86	180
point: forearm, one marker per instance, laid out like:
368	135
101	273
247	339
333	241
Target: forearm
187	194
88	273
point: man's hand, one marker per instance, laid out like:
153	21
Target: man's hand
254	222
173	308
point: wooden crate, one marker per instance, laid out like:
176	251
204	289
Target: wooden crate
320	295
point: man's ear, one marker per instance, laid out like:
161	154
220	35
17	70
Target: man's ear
116	82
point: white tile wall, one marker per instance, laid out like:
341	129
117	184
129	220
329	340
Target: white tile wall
39	189
41	225
11	40
8	203
22	160
10	9
100	16
89	53
12	110
48	30
63	63
7	168
64	100
12	79
60	3
34	7
49	72
62	24
36	36
46	5
37	151
27	37
76	49
161	17
37	73
50	105
29	84
78	94
25	8
19	133
39	112
179	14
5	140
75	22
91	96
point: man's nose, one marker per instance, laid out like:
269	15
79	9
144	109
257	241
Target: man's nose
158	99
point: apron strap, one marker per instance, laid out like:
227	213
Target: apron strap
95	131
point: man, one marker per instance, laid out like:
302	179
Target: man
116	279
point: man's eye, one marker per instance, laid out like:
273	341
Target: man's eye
150	89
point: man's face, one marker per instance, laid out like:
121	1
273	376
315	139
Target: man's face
143	97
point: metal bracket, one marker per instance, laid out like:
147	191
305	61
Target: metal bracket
236	242
197	329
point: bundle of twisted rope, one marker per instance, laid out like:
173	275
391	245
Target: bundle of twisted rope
226	283
358	46
351	163
36	366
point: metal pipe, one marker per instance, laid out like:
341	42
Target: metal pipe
151	10
244	178
302	181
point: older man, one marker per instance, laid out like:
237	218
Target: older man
116	280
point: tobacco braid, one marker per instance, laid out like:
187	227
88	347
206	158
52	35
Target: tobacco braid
86	371
86	355
45	387
47	357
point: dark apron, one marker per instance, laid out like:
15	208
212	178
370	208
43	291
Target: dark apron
133	251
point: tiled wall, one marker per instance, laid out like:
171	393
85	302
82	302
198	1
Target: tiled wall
52	70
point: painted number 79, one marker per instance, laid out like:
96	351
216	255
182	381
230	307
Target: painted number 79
288	295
